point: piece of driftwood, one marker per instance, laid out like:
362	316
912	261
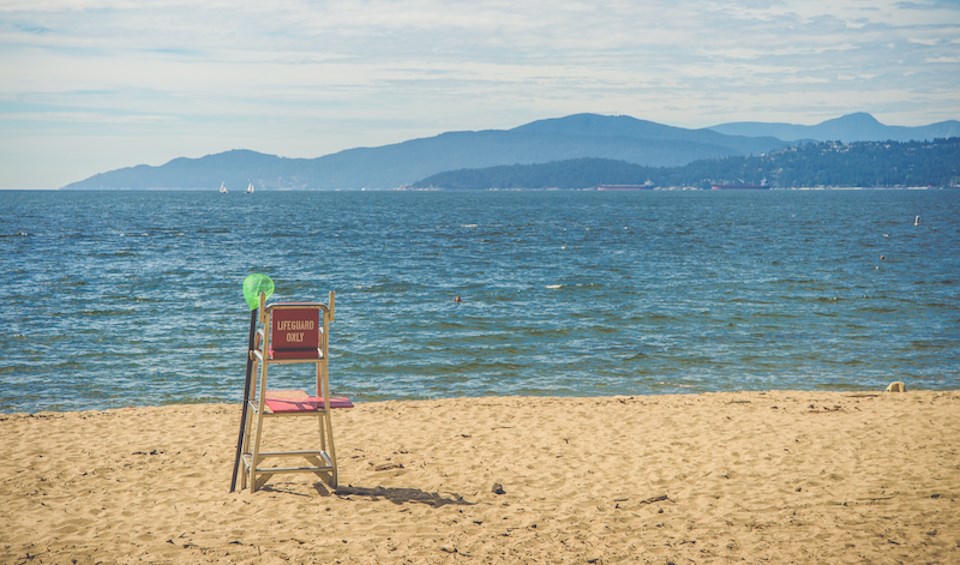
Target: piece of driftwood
653	499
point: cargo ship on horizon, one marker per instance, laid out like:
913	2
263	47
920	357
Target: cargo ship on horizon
649	185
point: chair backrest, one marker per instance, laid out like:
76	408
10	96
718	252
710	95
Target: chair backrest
296	330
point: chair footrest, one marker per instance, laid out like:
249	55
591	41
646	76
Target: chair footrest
306	453
281	470
312	456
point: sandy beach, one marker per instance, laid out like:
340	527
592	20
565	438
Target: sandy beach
762	476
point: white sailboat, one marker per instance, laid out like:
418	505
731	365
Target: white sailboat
250	188
223	188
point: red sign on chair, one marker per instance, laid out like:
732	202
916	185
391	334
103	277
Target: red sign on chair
296	333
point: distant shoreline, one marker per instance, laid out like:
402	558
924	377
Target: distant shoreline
546	189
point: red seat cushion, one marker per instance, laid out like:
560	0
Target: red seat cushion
305	404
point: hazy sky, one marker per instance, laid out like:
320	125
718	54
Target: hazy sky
89	86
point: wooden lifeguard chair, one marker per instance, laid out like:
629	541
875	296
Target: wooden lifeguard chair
292	333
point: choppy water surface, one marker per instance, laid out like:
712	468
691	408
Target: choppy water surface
114	299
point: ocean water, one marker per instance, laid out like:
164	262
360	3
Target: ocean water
134	298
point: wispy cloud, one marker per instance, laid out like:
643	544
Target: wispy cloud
303	78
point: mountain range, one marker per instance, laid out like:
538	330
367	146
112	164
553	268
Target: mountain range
581	135
852	127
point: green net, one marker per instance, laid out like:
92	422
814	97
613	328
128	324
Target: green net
255	284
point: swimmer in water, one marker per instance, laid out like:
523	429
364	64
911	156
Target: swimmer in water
458	300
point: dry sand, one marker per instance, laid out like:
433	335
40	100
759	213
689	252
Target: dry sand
809	477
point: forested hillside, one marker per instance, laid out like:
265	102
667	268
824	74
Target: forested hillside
863	164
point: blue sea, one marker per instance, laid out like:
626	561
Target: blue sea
134	298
